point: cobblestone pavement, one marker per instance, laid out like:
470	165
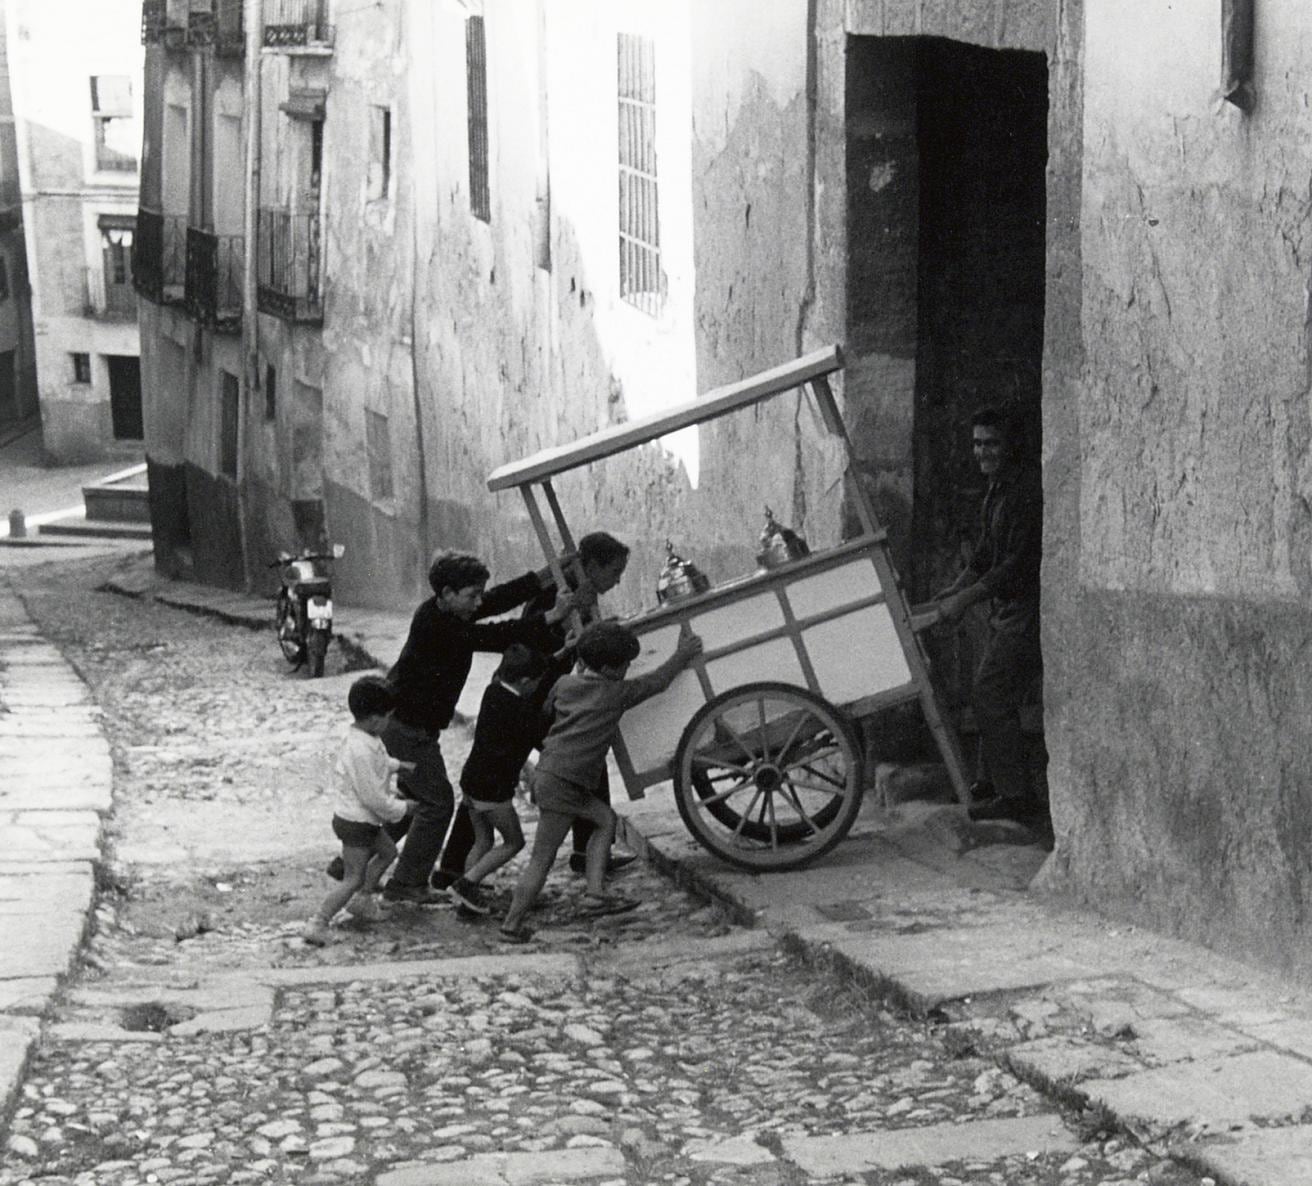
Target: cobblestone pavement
202	1042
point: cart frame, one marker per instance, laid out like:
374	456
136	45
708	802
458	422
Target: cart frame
811	373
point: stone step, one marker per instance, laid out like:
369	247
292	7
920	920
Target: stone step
90	528
117	503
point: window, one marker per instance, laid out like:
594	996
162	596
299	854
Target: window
4	278
480	200
378	443
116	130
380	153
270	391
229	423
641	282
81	368
116	236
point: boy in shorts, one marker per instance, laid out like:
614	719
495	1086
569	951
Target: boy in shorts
364	800
511	722
586	707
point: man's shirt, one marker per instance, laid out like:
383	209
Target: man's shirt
1009	551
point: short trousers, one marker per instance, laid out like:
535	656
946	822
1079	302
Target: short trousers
485	805
564	797
354	834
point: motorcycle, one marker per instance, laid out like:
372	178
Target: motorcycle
303	616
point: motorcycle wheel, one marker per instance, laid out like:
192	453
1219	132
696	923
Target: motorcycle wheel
289	641
316	649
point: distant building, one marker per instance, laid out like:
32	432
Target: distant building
17	358
77	96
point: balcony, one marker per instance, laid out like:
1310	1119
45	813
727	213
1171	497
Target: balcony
159	257
297	24
288	266
106	301
214	278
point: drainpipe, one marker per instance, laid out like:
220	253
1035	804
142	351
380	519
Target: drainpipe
416	270
253	19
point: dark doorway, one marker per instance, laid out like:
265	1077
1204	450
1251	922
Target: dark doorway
947	148
125	397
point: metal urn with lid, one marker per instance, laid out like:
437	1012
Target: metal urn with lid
779	544
679	578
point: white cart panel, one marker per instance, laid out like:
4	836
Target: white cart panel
833	588
773	660
857	655
737	621
652	729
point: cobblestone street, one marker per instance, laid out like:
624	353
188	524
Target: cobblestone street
202	1042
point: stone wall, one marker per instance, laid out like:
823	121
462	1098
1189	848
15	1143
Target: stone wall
1178	564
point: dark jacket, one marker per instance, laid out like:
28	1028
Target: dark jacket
509	727
434	663
1009	551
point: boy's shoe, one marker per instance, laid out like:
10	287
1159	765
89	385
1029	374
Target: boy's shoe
463	893
336	869
519	935
415	895
315	933
442	879
595	905
578	863
364	906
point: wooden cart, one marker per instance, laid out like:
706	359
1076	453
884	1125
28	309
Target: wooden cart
759	734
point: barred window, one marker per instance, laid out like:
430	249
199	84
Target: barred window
378	447
480	200
641	281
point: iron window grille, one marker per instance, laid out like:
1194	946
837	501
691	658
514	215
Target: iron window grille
480	198
641	280
295	23
288	265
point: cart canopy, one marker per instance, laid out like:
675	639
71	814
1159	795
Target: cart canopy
543	466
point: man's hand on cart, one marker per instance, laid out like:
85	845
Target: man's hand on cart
565	605
689	645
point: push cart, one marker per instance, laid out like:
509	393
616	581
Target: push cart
759	735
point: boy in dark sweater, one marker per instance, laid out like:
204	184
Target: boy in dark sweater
511	722
428	679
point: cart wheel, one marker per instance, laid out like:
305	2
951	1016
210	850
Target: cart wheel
768	776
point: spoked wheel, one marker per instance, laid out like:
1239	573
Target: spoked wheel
289	641
768	776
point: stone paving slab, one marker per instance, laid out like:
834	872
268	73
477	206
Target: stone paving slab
51	835
935	1144
27	994
1210	1094
1270	1157
1064	1060
512	1169
39	944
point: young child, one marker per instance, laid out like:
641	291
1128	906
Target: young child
586	706
365	800
511	722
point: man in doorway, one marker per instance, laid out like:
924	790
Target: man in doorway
1004	569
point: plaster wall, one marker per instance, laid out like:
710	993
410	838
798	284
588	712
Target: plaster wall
1177	564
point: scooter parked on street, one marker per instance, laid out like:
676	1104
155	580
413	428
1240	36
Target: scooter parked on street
303	616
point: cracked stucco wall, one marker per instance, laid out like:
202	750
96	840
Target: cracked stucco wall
1177	563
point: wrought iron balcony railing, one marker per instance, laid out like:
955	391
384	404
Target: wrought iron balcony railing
214	277
159	257
154	16
288	265
289	24
104	300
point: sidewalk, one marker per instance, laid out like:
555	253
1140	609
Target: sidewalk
56	780
1204	1057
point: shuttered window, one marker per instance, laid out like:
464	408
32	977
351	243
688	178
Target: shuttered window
480	200
641	281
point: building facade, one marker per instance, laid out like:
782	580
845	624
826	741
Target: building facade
77	92
18	400
484	228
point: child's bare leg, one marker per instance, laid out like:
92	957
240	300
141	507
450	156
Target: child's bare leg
506	821
598	853
482	826
383	855
354	861
553	827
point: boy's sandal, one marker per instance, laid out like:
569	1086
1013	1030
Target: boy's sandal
595	905
520	934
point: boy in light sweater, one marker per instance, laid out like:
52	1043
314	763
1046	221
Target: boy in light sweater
586	707
364	799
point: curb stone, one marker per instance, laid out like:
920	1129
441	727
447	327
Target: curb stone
52	813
